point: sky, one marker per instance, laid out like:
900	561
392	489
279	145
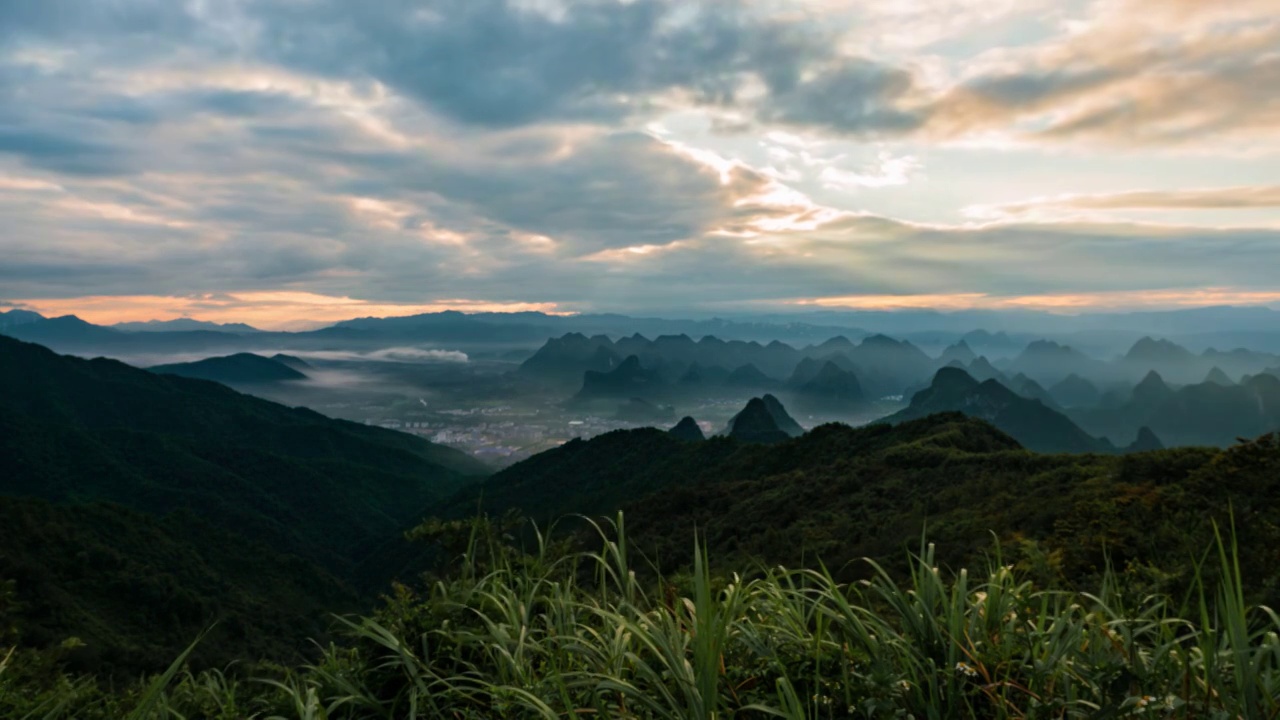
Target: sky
293	161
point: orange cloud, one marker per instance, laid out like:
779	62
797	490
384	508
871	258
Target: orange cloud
268	310
1120	300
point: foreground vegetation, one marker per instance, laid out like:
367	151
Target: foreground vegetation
558	633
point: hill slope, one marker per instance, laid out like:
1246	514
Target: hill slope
842	493
285	488
241	368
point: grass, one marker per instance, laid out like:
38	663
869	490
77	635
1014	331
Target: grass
553	633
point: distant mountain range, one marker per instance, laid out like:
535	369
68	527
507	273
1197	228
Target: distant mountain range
837	368
1005	335
1206	413
183	325
1033	424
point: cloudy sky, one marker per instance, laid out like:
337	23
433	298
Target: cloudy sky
284	160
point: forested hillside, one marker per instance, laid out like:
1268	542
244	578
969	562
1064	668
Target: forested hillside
278	503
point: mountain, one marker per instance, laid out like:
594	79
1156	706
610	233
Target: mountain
1218	377
183	325
1075	391
1146	442
749	377
66	328
102	430
1049	362
16	317
296	363
1030	422
830	389
629	379
755	424
313	497
1150	352
959	352
136	588
238	369
1151	392
687	429
982	370
567	358
781	418
1207	413
763	420
839	494
1028	388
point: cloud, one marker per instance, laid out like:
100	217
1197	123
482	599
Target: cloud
1138	72
499	152
1232	198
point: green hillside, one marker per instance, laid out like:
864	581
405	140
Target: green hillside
839	493
273	500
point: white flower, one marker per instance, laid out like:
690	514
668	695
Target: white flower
966	669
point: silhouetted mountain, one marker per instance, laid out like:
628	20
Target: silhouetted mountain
1029	422
997	344
67	329
1075	391
1048	362
16	317
781	418
806	370
629	379
567	358
296	363
687	429
1151	392
1145	442
1150	352
749	377
755	424
1028	388
831	389
959	352
982	370
238	369
1203	414
1218	377
183	325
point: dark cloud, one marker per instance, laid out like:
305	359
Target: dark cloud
62	153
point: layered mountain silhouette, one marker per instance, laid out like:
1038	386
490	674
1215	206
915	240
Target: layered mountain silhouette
687	429
628	380
1075	391
238	369
830	389
1030	422
763	420
183	325
1218	377
1207	413
883	366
